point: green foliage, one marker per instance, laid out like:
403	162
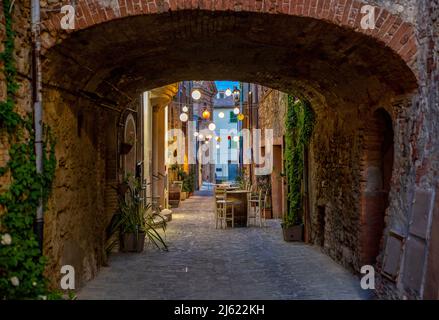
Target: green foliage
8	118
189	181
133	217
299	125
21	263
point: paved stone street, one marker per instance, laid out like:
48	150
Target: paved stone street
206	263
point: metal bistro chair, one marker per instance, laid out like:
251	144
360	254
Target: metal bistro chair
256	208
224	210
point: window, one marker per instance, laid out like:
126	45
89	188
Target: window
233	117
219	169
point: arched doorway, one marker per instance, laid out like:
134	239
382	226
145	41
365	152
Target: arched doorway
111	62
377	173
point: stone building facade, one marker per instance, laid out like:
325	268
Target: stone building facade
350	75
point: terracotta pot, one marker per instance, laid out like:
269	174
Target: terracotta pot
131	243
293	233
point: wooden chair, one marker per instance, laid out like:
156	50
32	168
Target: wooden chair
224	211
256	208
220	192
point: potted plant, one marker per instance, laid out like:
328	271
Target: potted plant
188	183
133	222
292	231
292	224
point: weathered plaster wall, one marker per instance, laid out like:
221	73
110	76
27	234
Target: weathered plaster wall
76	216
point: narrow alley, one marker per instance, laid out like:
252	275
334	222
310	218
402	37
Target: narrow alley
227	264
290	146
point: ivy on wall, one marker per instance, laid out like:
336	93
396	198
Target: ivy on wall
299	124
21	263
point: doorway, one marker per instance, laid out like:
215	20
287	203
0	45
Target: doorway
377	173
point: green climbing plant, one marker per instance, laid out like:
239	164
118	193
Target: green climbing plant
299	124
21	263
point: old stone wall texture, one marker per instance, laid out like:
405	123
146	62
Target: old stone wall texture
271	111
76	217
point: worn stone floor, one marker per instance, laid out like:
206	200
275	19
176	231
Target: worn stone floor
208	263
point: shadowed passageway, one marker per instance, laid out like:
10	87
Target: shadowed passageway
206	263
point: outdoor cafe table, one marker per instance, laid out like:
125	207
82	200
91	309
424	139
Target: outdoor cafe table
240	210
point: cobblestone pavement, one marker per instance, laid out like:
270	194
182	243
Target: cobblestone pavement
206	263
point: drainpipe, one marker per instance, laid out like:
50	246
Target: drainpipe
38	112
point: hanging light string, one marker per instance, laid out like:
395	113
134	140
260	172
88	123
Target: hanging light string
182	104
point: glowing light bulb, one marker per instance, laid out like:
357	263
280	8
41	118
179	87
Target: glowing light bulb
184	117
221	115
196	94
236	110
236	138
205	114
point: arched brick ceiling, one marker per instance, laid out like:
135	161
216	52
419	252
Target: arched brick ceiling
125	56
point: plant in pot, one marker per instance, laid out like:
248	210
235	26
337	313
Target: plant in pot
133	222
292	228
189	183
299	124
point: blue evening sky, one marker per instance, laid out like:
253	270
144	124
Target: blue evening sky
223	85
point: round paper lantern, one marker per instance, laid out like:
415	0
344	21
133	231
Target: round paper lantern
185	109
183	117
217	146
206	114
212	126
228	92
240	117
221	115
236	138
236	110
196	134
196	94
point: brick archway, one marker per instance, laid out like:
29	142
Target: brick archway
390	29
112	57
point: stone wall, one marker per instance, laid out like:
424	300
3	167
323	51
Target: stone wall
271	111
76	217
82	201
416	179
